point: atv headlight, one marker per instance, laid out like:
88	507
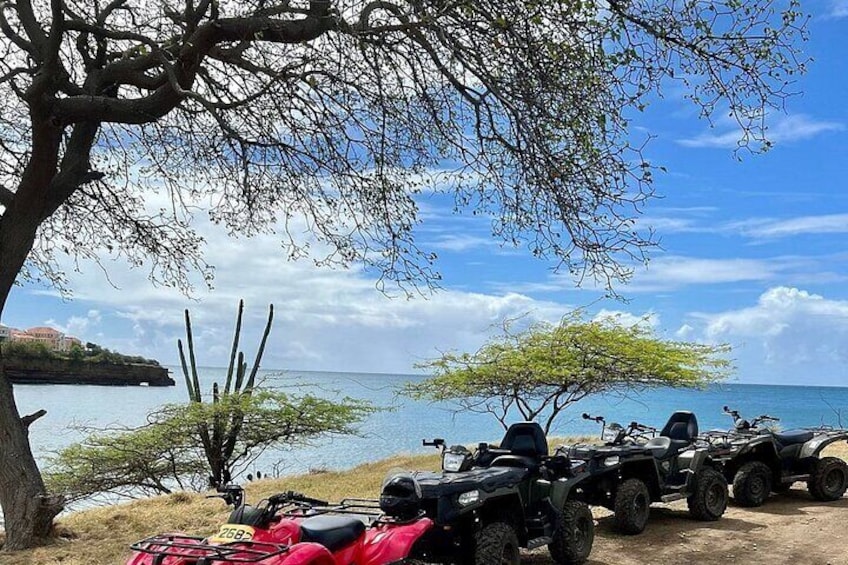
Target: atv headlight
610	461
469	497
452	462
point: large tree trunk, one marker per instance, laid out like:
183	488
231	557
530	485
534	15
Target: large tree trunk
27	509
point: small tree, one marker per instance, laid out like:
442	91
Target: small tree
541	371
169	453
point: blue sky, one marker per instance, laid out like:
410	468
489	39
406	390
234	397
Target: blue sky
753	253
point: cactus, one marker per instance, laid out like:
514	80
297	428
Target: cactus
220	435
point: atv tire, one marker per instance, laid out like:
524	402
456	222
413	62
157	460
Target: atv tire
709	499
573	535
752	484
632	507
829	479
497	544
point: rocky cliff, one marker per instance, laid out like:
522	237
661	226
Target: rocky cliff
60	371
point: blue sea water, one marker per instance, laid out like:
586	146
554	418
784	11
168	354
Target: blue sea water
407	422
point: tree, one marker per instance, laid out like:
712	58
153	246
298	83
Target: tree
169	452
541	371
121	119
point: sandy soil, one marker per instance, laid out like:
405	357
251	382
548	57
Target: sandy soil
792	528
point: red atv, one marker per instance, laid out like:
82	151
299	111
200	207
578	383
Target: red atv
292	529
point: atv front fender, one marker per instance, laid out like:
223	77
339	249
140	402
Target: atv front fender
304	553
390	542
561	489
814	447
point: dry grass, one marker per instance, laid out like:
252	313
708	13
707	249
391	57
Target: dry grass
102	536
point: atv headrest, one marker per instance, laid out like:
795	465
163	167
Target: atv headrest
525	438
681	426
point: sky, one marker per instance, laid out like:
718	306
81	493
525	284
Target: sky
753	253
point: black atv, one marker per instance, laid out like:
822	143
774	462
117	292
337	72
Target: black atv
758	461
631	471
489	503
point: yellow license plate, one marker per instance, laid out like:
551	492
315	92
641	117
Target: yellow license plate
233	532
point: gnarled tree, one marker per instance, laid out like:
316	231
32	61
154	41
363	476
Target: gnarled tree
121	119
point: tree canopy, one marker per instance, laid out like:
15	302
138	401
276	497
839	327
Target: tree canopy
169	453
538	372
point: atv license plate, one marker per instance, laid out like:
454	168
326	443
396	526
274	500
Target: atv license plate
609	435
232	532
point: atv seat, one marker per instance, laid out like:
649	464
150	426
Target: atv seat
526	439
519	461
679	433
524	445
792	437
333	532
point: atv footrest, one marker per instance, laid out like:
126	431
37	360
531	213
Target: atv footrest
190	547
538	542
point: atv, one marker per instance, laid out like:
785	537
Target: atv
758	461
631	471
487	504
292	529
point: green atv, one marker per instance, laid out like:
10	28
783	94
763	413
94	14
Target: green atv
630	472
488	504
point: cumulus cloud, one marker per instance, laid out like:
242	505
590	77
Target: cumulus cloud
789	335
324	319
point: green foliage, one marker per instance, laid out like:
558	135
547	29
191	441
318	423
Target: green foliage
27	350
545	368
91	354
168	453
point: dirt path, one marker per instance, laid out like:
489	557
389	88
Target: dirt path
792	528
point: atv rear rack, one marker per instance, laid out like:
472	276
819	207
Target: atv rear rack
191	547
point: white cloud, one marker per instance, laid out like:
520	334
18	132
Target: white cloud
789	335
670	272
324	319
628	319
684	331
838	8
462	242
782	130
826	223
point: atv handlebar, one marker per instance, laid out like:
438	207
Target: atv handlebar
437	442
593	418
642	427
296	497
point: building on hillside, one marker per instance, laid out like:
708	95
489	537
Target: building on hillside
54	339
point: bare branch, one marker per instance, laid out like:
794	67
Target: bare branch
28	420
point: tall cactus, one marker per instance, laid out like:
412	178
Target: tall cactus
219	435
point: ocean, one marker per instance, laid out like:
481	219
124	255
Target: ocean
404	423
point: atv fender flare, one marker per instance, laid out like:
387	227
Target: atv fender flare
814	447
391	542
561	489
698	460
305	553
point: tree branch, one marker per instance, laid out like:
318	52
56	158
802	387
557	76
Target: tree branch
30	418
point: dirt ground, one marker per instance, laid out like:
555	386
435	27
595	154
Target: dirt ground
791	528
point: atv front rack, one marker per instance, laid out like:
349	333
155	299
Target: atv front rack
193	548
